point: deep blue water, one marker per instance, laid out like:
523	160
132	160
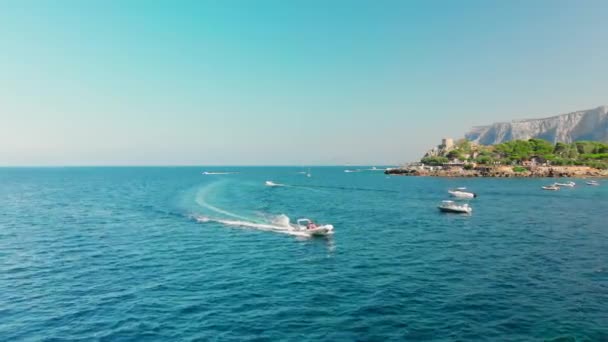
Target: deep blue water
118	254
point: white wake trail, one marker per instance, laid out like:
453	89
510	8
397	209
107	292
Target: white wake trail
276	226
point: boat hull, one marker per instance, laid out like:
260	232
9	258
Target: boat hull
321	231
462	194
454	210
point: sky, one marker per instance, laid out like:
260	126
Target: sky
301	82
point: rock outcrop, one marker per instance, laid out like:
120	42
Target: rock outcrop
589	124
504	171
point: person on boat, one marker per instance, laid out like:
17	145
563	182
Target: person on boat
311	225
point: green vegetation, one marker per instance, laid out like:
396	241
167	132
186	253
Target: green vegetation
521	153
519	169
434	161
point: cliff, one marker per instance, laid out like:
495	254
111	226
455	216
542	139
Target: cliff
589	124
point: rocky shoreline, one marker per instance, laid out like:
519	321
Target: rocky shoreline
504	172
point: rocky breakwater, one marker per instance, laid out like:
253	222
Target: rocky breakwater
503	172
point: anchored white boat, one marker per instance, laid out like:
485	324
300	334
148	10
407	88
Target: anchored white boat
567	184
460	193
453	207
218	173
552	187
593	183
306	225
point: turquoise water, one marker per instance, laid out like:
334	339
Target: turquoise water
142	254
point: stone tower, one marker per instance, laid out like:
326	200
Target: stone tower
447	143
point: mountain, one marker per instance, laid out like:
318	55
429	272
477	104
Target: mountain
591	124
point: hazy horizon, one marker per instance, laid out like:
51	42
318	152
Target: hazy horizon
276	83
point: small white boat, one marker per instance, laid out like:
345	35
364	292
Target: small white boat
593	183
552	187
462	194
349	171
207	173
568	184
453	207
308	174
271	183
309	227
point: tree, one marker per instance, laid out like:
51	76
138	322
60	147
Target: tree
561	149
434	161
464	146
573	152
585	147
540	147
485	160
454	154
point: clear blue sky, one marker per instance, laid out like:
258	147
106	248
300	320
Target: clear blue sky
283	82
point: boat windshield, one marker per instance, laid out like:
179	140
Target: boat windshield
304	222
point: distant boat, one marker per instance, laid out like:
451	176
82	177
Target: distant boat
593	183
453	207
219	173
271	183
349	171
568	184
552	187
307	226
462	194
308	174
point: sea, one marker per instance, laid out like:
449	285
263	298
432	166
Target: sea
172	254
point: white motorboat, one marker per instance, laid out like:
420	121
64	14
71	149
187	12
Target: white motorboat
461	193
551	187
453	207
309	227
350	171
593	183
271	183
207	173
567	184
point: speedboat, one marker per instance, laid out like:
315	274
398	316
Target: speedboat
593	183
460	193
568	184
453	207
271	183
307	226
551	187
349	171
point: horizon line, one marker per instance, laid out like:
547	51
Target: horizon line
193	165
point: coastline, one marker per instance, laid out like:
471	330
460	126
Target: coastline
503	172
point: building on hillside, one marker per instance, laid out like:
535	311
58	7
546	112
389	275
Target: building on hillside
535	161
454	163
447	143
